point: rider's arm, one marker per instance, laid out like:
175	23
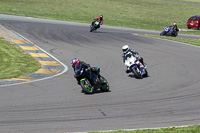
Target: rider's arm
97	18
86	65
101	22
123	58
134	52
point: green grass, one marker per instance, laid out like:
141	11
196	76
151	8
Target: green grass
183	40
190	129
144	14
15	62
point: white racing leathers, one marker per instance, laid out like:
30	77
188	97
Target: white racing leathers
130	60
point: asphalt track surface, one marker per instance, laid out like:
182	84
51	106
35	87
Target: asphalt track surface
168	97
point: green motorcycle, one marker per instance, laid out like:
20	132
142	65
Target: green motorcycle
91	81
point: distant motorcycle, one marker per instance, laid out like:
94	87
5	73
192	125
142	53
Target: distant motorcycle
91	81
168	31
94	25
133	65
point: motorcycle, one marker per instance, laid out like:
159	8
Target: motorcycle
134	66
94	25
168	31
91	81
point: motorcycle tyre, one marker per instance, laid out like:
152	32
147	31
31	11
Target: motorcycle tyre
136	74
91	28
175	35
161	34
146	74
104	86
87	90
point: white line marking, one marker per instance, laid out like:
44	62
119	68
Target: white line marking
135	129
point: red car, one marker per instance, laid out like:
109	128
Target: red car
194	22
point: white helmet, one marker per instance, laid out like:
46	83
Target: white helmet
125	48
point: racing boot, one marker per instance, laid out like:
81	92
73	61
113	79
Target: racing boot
128	70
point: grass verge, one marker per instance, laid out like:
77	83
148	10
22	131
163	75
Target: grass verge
189	129
15	62
183	40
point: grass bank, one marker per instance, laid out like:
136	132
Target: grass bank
143	14
190	129
15	62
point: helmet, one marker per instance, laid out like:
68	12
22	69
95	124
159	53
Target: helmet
101	17
75	62
174	23
125	48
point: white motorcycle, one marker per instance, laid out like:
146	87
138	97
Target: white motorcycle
135	66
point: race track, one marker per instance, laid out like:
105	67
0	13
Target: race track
170	96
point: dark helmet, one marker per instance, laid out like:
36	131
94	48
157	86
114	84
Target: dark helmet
101	17
75	62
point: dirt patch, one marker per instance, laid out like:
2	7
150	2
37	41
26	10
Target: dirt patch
8	35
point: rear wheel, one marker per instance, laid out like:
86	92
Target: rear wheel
146	73
175	34
104	84
86	86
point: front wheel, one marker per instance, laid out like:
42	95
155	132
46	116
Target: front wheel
104	84
161	34
91	28
137	73
86	86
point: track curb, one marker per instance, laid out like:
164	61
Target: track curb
50	66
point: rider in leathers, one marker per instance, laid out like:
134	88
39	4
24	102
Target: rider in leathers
175	28
126	51
100	19
76	63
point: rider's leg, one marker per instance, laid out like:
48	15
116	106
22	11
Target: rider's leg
127	70
141	60
141	67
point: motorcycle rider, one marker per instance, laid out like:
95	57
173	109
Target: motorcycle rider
99	19
126	50
76	64
174	27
